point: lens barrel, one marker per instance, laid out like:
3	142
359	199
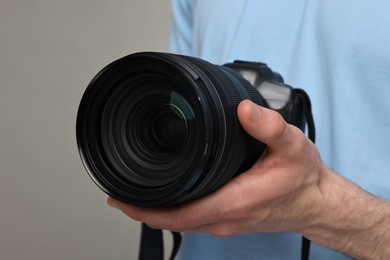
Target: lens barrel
157	129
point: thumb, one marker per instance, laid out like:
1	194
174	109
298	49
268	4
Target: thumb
266	125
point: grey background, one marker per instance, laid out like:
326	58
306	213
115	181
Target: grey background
49	51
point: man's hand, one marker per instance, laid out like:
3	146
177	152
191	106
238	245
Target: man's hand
288	189
274	195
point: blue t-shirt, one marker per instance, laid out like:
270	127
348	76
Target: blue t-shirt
339	52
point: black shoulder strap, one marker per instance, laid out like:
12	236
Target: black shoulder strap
305	250
152	244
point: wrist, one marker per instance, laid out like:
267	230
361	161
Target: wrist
349	220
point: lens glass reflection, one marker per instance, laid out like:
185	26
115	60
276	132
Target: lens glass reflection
168	123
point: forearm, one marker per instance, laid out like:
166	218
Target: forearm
351	220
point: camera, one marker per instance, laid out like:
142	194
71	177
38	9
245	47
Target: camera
158	129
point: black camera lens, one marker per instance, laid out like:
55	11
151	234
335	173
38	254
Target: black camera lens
165	125
158	129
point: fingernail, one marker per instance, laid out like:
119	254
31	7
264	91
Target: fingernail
255	112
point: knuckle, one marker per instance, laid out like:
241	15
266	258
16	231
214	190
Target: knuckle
221	231
301	145
276	125
177	225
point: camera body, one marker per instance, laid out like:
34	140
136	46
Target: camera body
157	129
277	96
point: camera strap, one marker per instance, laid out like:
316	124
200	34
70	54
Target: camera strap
305	249
152	244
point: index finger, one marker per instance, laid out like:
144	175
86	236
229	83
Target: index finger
183	217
